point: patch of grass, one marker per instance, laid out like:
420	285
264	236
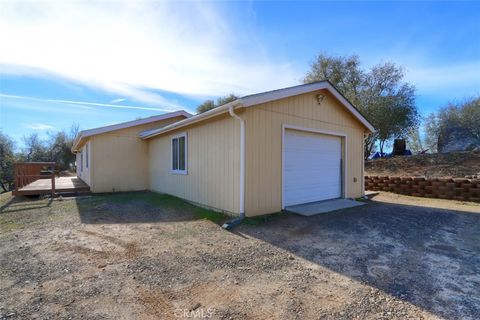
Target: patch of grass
153	199
5	197
30	222
23	212
8	226
210	215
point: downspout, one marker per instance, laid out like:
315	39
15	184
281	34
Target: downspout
365	136
362	181
232	223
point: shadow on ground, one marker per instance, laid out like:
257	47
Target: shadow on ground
428	257
140	207
21	203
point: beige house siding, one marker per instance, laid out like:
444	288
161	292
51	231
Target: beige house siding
213	164
119	159
263	145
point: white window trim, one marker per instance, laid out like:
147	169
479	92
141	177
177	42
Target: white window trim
179	135
314	130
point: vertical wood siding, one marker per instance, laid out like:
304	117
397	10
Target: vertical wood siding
119	159
263	143
213	164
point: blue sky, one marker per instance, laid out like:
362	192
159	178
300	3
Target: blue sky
98	63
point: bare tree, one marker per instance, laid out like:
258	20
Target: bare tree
35	149
432	131
414	142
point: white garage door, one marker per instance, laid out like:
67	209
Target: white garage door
312	167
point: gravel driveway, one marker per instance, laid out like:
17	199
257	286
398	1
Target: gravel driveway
147	256
406	247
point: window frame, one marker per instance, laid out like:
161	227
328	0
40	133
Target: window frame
172	138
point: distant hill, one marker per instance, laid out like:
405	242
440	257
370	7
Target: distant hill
454	164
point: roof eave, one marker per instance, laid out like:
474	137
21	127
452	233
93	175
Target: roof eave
91	132
199	117
77	142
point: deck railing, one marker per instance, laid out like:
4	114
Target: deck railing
27	172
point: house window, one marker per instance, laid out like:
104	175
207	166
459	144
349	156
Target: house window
86	155
179	154
81	161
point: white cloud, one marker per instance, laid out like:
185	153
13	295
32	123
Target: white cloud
39	126
126	47
445	77
118	100
90	105
430	74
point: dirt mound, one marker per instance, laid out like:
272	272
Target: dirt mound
455	164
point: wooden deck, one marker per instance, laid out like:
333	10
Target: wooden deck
63	185
36	178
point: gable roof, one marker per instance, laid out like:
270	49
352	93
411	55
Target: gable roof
82	135
258	98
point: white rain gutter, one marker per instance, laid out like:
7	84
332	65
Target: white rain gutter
242	160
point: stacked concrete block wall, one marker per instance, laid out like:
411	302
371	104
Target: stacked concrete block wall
443	188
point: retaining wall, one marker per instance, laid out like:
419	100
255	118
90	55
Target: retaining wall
443	188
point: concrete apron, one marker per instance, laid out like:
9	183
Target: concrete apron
313	208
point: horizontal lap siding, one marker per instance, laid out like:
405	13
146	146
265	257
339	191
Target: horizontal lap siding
264	145
120	159
213	165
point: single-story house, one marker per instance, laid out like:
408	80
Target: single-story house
253	156
114	158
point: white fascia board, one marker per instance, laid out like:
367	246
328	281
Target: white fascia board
91	132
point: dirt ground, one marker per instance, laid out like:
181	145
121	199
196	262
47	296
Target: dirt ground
455	165
149	256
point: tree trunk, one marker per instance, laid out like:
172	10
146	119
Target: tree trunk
369	145
4	187
381	144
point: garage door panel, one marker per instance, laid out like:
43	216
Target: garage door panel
307	179
312	167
